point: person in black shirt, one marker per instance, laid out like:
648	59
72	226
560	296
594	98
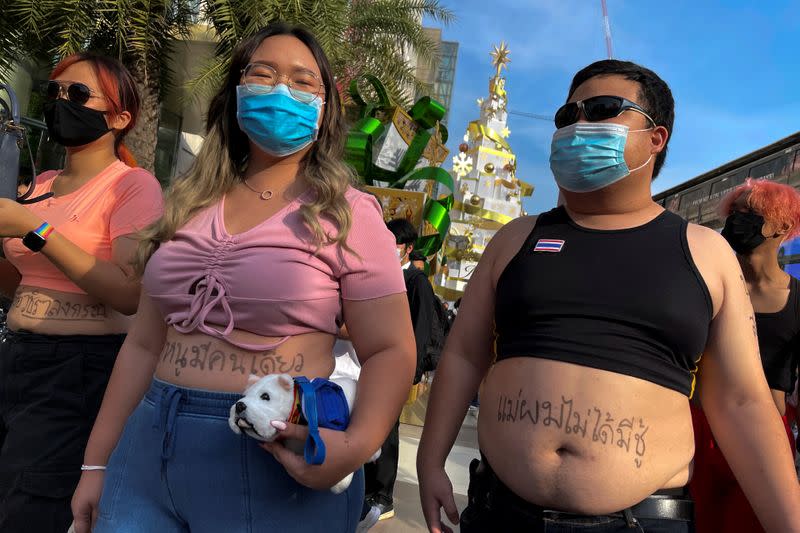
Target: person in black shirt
380	475
761	216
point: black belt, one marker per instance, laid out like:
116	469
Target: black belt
669	504
652	507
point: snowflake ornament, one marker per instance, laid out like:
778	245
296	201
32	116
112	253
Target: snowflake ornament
462	164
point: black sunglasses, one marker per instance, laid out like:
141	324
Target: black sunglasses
76	92
596	108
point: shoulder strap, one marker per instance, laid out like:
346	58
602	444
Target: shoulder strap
314	450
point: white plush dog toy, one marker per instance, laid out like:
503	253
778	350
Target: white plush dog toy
275	397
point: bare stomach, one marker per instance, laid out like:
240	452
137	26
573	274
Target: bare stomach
52	312
582	440
197	360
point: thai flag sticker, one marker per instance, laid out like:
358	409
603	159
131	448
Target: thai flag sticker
548	245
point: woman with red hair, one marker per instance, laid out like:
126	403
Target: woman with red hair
67	269
761	216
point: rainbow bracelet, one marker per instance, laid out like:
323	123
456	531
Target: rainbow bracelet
44	230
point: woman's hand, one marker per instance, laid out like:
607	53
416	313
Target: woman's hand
16	220
86	500
342	456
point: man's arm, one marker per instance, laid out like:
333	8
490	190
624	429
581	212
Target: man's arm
466	358
737	400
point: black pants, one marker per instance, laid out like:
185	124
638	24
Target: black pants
51	387
492	506
379	477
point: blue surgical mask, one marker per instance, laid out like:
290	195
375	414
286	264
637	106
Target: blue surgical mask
589	156
276	122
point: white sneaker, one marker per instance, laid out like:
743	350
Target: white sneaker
370	520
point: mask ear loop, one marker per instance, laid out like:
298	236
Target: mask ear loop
631	171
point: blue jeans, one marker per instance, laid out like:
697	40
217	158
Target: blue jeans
178	468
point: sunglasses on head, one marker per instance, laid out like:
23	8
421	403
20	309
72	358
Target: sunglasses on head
596	108
76	92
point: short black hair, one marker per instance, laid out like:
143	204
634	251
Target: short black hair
417	256
404	231
656	97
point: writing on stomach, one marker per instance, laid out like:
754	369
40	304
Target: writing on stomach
53	312
581	439
201	361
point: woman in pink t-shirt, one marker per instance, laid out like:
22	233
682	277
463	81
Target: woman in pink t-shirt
263	252
67	267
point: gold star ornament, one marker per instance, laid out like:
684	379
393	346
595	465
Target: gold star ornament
500	57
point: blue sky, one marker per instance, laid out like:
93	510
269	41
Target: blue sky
732	66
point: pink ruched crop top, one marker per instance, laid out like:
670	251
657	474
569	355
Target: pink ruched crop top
270	280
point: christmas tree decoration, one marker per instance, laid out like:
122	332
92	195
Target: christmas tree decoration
397	152
487	192
462	164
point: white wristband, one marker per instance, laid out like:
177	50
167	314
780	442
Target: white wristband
86	468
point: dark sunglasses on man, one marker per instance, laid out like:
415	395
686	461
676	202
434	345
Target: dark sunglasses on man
76	92
595	109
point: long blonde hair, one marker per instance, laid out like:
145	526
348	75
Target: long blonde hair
222	159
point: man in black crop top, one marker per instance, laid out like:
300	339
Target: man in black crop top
586	328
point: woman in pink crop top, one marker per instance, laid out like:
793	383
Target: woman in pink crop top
67	266
263	252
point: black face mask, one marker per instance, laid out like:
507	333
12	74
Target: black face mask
743	232
71	124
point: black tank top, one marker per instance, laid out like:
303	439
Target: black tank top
629	301
778	337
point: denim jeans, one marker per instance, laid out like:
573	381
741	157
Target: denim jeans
178	468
